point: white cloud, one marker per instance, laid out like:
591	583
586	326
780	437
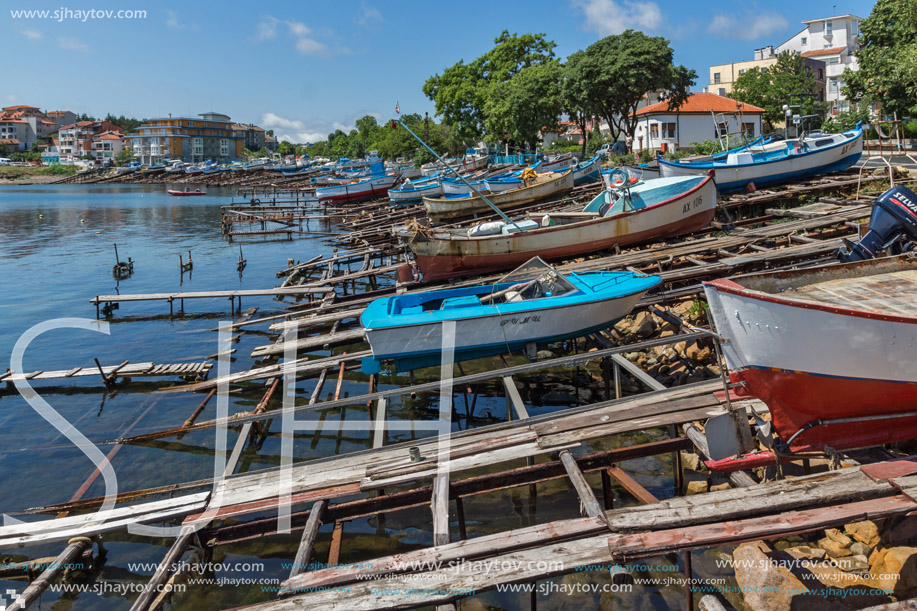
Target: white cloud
72	44
12	98
368	16
31	34
612	17
175	24
305	43
310	46
299	29
748	27
300	132
267	29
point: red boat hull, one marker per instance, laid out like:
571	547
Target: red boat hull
797	398
185	193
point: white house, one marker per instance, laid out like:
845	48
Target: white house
660	128
833	41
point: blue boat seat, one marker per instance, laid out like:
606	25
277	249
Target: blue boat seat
412	310
461	302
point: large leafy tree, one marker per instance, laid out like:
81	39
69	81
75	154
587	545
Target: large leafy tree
788	81
462	90
617	71
518	109
575	94
888	58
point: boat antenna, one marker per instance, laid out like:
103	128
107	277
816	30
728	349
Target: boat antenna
462	178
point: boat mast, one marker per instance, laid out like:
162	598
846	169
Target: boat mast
462	178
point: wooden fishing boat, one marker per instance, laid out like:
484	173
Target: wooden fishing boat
414	191
540	187
587	171
357	191
533	304
178	193
775	163
829	349
645	211
562	162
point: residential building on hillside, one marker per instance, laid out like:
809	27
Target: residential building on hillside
724	76
832	40
271	143
209	136
78	139
62	117
25	125
659	128
252	135
106	146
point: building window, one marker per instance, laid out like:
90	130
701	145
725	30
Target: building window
190	123
668	130
654	130
855	27
821	74
224	148
716	77
829	27
722	91
804	41
742	71
749	129
832	61
832	85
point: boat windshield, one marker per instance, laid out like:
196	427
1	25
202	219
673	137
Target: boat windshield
534	279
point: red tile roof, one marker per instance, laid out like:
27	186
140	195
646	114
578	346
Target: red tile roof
109	136
820	52
20	107
9	141
701	103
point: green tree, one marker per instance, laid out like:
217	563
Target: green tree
781	84
887	58
617	71
518	109
123	157
286	148
462	90
575	94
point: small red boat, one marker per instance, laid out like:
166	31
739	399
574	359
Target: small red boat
181	193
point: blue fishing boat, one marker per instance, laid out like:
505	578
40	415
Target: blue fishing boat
534	304
776	162
587	171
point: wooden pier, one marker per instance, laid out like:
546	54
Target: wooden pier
233	296
110	373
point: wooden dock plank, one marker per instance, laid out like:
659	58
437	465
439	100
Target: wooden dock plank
132	370
293	290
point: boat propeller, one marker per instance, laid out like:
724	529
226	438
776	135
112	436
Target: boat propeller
892	227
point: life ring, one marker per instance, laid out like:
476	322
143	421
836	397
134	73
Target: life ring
255	201
618	178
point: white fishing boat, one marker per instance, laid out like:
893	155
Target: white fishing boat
540	187
358	190
414	191
632	213
775	163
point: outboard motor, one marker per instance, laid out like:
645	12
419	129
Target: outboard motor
892	227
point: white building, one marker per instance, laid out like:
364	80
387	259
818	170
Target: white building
833	41
660	128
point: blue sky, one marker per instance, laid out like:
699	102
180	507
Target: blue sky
305	68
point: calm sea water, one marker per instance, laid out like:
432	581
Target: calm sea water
56	249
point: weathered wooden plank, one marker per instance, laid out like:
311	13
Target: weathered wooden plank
294	290
311	343
162	571
586	496
821	489
304	552
319	319
439	505
513	393
697	536
631	485
393	592
453	552
379	425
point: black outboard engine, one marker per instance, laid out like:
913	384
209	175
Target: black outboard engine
892	227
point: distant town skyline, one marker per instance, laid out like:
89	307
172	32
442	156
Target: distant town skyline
306	69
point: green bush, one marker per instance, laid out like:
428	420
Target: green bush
707	147
56	170
646	155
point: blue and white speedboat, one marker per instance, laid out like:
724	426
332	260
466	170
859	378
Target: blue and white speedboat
587	171
532	304
775	163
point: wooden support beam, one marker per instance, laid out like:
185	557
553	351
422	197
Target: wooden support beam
515	398
440	508
337	535
631	485
75	548
379	425
162	571
590	505
308	538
